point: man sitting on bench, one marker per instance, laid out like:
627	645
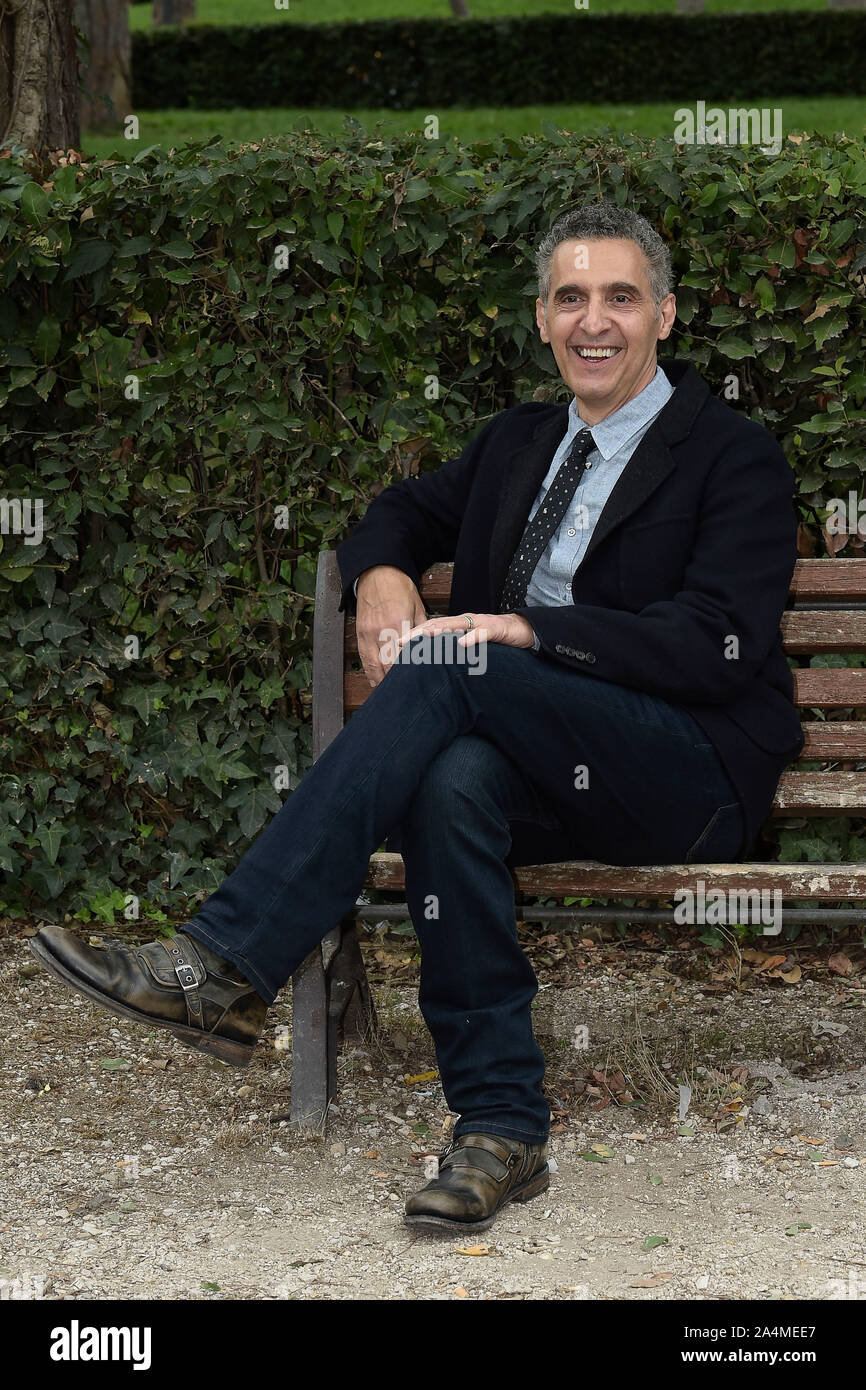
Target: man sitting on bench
625	560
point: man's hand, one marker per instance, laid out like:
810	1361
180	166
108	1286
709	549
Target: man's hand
387	598
507	628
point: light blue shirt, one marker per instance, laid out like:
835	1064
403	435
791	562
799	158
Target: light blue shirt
616	438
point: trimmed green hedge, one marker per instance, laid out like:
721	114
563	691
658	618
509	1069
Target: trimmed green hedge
575	57
170	378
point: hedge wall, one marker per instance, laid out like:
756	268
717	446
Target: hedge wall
437	63
191	343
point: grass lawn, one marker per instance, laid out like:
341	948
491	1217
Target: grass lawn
329	11
830	115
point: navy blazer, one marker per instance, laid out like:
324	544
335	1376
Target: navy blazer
695	546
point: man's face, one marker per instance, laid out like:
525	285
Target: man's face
600	298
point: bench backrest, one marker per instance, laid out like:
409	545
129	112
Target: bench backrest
826	614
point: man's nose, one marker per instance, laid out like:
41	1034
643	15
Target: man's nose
596	317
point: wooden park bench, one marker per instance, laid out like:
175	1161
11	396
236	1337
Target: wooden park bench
826	614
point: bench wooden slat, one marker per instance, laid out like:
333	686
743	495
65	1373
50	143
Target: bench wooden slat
836	740
822	689
827	580
802	633
829	688
589	879
813	633
820	581
821	794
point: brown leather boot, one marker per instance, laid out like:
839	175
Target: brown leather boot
176	983
478	1175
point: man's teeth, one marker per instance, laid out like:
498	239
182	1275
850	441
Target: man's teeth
596	352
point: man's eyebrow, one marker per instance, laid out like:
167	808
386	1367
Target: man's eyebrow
615	285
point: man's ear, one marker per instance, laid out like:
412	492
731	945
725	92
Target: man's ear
667	313
541	320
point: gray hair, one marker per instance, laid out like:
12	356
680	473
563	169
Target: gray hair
597	220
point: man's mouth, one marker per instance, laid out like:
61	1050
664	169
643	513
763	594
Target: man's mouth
592	354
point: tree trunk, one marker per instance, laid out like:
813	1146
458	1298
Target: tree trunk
106	64
38	74
172	12
460	9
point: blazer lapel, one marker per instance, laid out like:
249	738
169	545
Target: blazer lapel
647	468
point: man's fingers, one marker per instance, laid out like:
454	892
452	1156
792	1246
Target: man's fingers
369	654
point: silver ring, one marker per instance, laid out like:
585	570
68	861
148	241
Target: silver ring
470	620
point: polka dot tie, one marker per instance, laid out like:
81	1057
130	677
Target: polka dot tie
545	523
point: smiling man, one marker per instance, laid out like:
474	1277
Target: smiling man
626	559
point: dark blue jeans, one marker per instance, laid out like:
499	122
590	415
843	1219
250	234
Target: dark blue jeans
530	762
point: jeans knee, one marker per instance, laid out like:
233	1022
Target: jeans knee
461	774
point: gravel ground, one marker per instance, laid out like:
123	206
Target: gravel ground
135	1168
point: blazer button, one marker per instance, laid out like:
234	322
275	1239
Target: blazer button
590	656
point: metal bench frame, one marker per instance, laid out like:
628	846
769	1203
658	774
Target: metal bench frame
826	613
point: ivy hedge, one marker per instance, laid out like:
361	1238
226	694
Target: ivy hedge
537	59
211	359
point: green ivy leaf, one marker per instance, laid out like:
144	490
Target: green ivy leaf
89	256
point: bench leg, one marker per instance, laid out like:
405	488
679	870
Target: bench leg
331	1001
309	1103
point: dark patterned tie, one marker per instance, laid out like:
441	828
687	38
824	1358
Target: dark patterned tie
545	523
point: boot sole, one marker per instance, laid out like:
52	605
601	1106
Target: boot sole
537	1184
235	1053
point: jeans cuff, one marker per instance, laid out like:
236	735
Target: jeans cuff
504	1130
198	933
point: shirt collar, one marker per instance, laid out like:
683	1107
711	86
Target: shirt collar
614	432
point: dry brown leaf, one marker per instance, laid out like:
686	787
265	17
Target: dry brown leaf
473	1250
770	963
651	1282
805	1140
821	310
841	964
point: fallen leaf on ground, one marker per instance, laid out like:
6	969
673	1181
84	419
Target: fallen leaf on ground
769	963
652	1241
841	964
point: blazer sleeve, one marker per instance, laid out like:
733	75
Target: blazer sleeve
735	585
413	523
